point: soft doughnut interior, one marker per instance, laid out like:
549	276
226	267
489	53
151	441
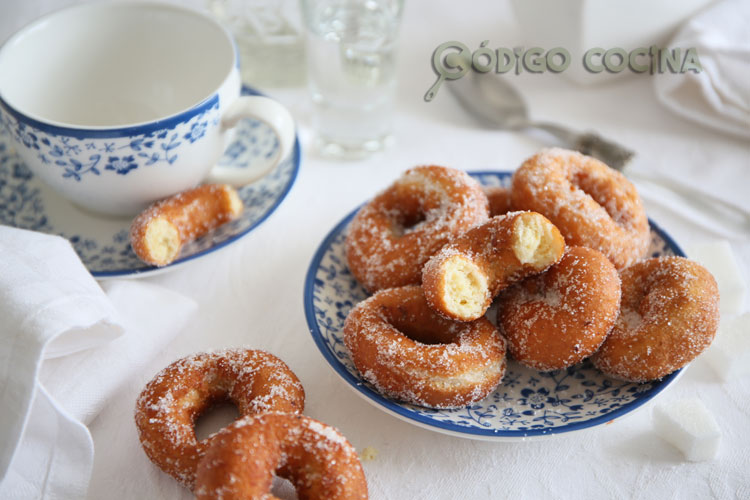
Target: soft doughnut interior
469	378
235	202
162	239
466	287
534	241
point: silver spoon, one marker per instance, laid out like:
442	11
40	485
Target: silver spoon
496	103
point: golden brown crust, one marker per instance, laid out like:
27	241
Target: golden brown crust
490	250
562	316
499	200
166	411
182	218
392	236
592	205
315	457
409	352
669	315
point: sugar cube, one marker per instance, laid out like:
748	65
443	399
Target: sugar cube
718	258
689	426
729	354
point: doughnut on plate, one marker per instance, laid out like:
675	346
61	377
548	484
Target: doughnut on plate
527	403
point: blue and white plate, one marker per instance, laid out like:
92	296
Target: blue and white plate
103	243
526	404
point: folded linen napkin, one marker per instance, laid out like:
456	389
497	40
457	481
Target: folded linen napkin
65	346
718	96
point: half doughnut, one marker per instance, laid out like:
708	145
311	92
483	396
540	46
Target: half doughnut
461	280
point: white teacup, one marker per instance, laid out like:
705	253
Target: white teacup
117	105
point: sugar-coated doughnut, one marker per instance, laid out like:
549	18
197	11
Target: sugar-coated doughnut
592	205
461	280
243	457
411	353
166	411
159	232
669	315
391	237
558	318
499	200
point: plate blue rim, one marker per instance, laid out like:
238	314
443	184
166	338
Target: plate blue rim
392	407
296	152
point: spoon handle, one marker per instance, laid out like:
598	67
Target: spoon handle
565	134
589	143
611	153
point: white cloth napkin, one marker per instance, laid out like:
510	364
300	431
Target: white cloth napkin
719	96
65	347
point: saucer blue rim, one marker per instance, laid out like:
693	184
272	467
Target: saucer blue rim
297	151
393	407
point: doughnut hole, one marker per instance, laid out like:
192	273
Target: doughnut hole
467	289
535	242
163	240
611	196
215	418
406	222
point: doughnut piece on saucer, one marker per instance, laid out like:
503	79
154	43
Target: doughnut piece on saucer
461	280
392	236
411	353
166	411
242	459
593	205
159	232
558	318
668	315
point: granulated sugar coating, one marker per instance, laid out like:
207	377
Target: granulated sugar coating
592	205
167	408
669	315
159	232
562	316
315	457
392	236
409	352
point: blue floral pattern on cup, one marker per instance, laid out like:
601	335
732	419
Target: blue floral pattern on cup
76	157
526	403
104	244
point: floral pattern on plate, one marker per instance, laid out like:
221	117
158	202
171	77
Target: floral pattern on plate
527	403
103	243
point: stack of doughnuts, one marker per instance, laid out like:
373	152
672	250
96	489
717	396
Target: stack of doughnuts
560	252
271	436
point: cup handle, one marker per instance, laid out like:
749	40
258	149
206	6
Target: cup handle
272	114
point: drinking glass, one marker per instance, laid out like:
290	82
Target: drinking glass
351	66
269	39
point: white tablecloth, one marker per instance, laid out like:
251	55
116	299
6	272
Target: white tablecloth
250	293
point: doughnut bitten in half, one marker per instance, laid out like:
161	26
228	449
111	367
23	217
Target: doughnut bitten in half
461	280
